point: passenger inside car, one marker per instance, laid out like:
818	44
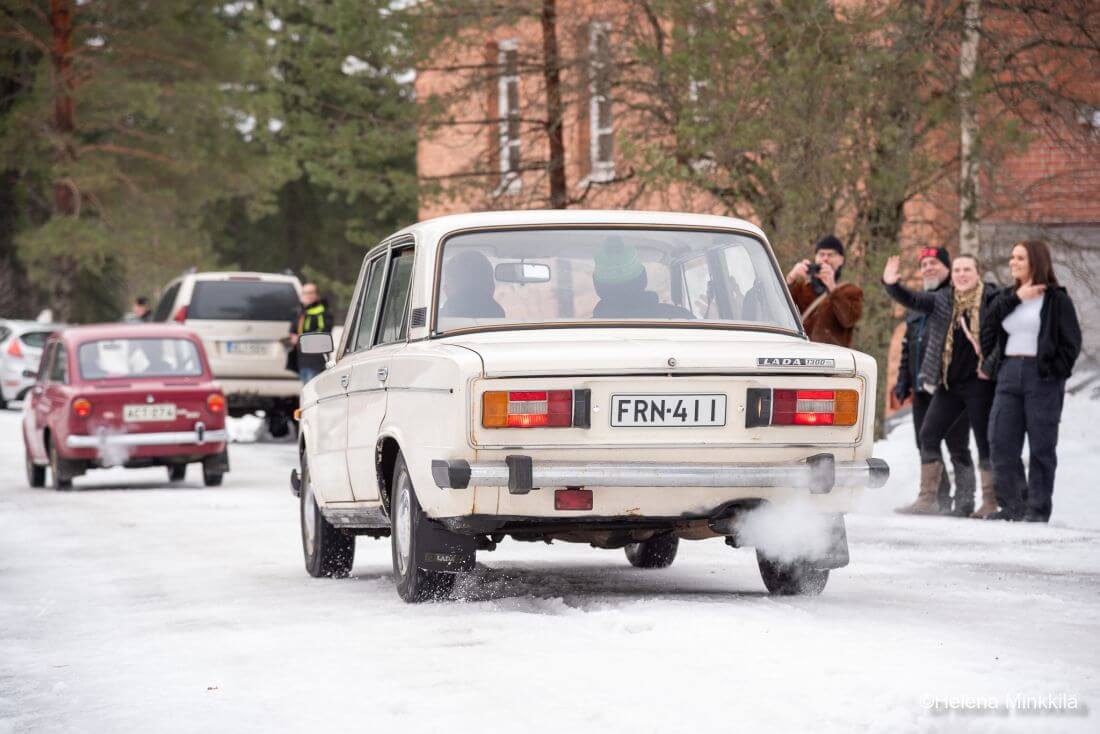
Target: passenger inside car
469	286
620	280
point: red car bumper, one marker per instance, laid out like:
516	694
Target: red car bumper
198	442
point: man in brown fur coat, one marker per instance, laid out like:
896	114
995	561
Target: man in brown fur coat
830	309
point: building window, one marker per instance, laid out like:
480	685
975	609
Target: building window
508	104
600	117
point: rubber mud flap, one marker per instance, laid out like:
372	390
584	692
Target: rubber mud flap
441	550
837	554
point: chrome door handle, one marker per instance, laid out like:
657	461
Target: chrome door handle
383	373
344	380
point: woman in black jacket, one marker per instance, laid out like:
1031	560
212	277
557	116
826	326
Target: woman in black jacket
1034	325
952	372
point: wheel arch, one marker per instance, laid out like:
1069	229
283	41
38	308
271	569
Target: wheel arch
386	450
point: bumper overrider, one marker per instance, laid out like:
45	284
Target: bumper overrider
819	474
198	437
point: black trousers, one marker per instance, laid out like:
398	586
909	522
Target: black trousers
958	436
1027	405
974	399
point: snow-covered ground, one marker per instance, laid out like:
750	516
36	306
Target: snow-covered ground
131	606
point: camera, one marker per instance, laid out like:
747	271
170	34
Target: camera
814	269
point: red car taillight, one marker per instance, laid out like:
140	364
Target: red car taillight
82	407
216	402
527	409
181	314
14	349
776	407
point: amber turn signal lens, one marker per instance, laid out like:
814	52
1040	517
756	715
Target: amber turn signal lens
494	409
846	410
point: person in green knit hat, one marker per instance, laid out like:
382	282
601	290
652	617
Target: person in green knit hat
620	281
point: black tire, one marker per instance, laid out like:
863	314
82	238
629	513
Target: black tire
414	584
328	552
58	479
36	475
798	578
657	552
278	424
178	472
211	478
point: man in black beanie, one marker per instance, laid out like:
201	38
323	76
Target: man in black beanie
830	309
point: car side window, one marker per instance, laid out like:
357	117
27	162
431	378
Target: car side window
368	305
164	306
45	362
393	320
59	370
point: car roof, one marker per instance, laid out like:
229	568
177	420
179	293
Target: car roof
22	327
243	274
432	229
90	332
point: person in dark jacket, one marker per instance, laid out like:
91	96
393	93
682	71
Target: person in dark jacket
314	316
1034	325
935	270
951	371
620	280
468	285
830	309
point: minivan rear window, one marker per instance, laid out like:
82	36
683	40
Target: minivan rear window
243	300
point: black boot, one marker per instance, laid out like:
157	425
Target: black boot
1004	515
943	493
964	490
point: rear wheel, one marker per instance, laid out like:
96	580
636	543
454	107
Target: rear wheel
59	480
414	584
177	472
327	550
36	475
797	578
657	552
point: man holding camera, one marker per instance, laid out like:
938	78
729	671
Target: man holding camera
830	309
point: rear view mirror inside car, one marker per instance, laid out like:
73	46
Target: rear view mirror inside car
521	272
317	342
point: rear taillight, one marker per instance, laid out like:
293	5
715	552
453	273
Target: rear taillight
181	314
82	407
527	408
779	407
216	402
13	347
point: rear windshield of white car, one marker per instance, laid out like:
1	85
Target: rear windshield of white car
547	276
34	339
132	358
243	300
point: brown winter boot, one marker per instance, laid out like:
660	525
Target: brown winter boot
964	490
989	496
926	503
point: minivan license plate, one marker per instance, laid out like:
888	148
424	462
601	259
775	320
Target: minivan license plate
154	412
668	411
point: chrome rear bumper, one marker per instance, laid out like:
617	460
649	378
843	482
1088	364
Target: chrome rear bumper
818	474
197	437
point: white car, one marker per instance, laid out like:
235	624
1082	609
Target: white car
20	351
243	319
624	379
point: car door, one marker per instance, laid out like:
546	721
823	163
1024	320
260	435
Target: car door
54	399
367	396
36	408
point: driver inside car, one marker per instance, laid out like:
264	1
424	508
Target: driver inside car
620	280
469	286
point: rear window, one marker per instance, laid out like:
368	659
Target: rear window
243	300
110	358
34	338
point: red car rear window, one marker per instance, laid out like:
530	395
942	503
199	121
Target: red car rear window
146	357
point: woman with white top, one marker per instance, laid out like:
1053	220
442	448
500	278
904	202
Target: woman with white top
1037	334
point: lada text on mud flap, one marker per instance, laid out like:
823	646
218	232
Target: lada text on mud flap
623	379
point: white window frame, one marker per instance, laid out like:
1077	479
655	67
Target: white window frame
511	182
600	170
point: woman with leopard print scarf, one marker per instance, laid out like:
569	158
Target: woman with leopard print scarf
954	372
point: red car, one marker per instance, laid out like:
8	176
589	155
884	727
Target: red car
133	395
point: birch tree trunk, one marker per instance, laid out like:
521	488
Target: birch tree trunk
968	128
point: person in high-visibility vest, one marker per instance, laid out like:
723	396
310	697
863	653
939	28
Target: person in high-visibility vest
314	316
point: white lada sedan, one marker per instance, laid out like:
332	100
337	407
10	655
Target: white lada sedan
623	379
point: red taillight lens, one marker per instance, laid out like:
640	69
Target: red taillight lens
13	347
216	402
82	407
573	499
181	314
768	407
527	409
